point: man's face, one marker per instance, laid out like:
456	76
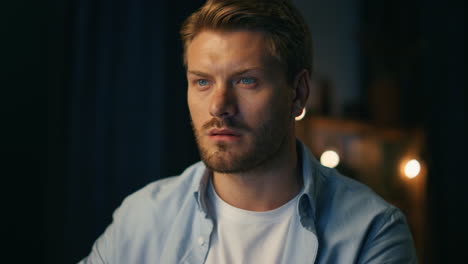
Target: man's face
239	100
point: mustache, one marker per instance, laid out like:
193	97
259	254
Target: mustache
228	123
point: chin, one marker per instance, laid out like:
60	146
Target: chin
229	163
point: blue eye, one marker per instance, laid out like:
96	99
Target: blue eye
247	81
202	82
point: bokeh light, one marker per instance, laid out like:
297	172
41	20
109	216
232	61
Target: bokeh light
330	159
412	168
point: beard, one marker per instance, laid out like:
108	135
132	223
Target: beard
266	141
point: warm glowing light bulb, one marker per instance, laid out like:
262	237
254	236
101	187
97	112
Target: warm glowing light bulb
412	168
299	117
330	159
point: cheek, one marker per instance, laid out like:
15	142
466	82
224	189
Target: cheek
191	107
252	111
268	107
280	112
196	111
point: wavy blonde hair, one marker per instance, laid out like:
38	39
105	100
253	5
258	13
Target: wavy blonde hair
288	37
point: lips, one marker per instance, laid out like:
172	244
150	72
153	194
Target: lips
223	132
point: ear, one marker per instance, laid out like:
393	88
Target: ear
301	90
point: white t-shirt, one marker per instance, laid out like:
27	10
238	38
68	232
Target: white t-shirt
242	236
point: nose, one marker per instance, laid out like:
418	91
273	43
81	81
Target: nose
223	102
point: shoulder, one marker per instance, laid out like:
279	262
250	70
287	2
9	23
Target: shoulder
341	192
337	195
348	210
343	202
149	218
165	195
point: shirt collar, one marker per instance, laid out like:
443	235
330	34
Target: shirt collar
312	187
200	183
307	202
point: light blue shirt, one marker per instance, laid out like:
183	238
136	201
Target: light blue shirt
343	221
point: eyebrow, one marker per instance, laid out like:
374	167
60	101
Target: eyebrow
199	73
206	75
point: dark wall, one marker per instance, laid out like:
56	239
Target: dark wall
444	85
93	108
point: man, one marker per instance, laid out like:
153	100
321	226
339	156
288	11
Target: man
258	196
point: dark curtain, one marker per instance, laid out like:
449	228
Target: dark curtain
122	115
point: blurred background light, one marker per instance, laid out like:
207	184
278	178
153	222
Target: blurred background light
412	168
330	159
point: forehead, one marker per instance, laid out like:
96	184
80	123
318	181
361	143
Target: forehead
228	50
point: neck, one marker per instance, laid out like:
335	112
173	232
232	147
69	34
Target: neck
265	188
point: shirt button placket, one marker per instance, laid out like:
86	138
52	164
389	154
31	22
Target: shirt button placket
201	241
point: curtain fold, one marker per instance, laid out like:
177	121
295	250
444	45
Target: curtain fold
126	114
